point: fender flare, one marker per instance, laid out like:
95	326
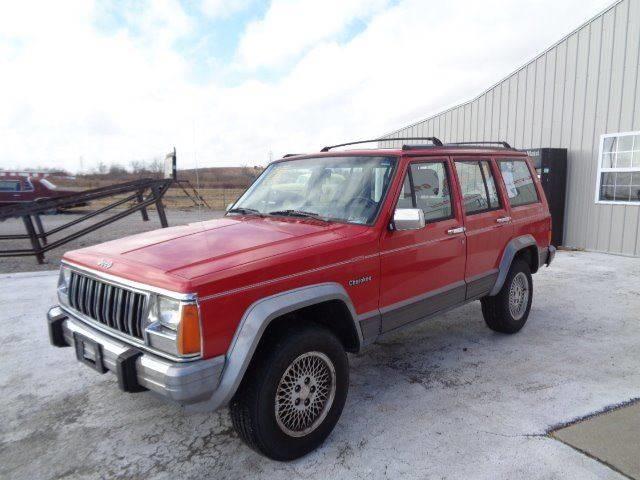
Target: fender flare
513	247
254	323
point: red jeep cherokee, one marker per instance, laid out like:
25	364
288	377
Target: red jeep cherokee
322	255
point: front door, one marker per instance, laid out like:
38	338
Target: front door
422	271
486	220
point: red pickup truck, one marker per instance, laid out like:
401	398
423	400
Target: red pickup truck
322	255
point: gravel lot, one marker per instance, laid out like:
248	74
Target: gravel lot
447	399
126	226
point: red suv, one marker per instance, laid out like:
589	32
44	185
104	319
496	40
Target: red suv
322	255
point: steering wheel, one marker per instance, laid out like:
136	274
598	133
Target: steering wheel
365	200
368	205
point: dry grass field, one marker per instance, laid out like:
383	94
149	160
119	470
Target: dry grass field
175	198
218	186
214	177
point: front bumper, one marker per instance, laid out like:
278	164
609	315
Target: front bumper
182	382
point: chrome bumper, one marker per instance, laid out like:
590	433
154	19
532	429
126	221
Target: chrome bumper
182	382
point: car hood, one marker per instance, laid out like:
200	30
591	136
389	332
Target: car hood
175	257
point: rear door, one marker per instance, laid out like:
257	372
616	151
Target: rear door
422	271
486	220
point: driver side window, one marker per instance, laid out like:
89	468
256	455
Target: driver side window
426	186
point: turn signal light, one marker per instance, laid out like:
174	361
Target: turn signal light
189	330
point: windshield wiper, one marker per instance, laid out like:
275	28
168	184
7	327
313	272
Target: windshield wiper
298	213
246	211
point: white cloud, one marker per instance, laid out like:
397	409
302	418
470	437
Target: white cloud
291	26
69	90
224	8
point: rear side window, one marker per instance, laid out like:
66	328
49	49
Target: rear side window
9	186
479	193
426	186
521	189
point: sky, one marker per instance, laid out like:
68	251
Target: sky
237	82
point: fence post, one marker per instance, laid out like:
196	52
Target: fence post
40	228
33	236
145	216
160	207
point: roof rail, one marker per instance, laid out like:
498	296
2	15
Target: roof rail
292	155
434	140
503	144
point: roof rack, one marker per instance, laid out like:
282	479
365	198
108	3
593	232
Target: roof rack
292	155
503	144
434	140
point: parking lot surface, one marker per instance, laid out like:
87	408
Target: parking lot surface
446	399
125	226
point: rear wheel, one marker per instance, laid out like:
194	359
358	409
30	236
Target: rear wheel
507	312
293	394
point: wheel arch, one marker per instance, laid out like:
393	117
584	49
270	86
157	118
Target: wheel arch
525	247
263	313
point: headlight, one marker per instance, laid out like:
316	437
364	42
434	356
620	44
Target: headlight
174	326
169	313
64	279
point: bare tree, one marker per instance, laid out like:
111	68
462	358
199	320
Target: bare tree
136	166
156	166
116	170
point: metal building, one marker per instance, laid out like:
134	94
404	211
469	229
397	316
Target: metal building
582	94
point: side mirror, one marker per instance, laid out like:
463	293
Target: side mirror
408	219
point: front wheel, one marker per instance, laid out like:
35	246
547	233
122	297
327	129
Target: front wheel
507	312
293	394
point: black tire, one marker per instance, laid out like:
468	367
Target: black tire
496	311
253	407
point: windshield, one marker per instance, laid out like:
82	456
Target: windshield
346	189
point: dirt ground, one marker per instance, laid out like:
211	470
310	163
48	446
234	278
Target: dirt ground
127	226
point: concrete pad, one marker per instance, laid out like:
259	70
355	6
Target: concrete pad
612	437
446	399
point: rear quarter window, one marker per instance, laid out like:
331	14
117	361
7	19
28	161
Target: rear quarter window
520	186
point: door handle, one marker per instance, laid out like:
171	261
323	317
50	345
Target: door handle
503	219
455	231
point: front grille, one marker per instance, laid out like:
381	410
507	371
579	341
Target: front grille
113	306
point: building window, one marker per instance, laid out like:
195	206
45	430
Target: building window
619	169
